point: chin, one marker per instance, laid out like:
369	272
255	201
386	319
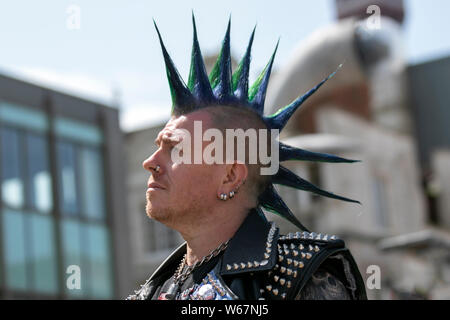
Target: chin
158	214
151	212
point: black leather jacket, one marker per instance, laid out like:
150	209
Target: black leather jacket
261	264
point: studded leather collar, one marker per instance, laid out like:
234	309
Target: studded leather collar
252	248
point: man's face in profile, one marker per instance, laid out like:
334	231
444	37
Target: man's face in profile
179	192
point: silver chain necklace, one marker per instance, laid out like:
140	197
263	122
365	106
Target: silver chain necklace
180	276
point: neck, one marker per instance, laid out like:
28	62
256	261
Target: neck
206	235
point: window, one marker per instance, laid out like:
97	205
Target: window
28	238
15	255
29	229
23	117
87	246
81	180
30	254
25	155
98	261
39	181
67	178
12	175
91	168
43	254
86	240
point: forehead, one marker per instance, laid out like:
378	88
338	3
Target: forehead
187	122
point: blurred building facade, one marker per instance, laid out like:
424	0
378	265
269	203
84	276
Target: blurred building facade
392	116
61	181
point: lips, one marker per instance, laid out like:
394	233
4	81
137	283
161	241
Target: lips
155	185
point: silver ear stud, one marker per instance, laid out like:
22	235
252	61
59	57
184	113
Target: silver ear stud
223	196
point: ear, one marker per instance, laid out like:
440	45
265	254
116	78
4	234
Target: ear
235	176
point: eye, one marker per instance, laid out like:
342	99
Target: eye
177	149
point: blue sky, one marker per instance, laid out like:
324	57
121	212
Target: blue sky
116	48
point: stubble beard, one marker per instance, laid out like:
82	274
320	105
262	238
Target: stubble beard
158	214
175	218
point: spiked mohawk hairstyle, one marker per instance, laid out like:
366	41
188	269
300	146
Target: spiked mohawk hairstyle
224	88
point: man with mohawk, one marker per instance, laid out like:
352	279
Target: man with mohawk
232	251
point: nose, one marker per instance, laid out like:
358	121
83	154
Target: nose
150	163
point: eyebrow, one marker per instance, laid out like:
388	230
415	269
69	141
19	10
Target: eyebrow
166	139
